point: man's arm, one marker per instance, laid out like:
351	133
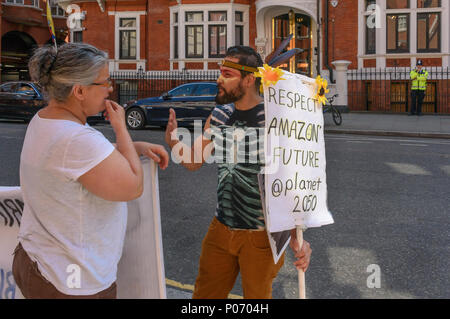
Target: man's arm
197	155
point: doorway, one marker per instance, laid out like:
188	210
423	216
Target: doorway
17	48
299	25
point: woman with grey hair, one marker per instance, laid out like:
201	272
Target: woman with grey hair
74	181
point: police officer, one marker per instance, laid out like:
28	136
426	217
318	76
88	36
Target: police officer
419	85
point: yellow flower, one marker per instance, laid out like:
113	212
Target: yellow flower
269	76
322	89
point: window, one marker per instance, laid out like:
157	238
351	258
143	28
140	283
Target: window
239	28
239	35
175	44
77	36
428	3
206	90
185	90
370	38
194	41
127	38
428	32
26	89
239	16
175	35
76	29
194	16
217	16
397	4
200	31
56	10
217	41
8	88
397	33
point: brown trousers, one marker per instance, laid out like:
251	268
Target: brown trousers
34	286
225	253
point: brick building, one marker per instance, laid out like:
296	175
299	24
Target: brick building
363	35
23	27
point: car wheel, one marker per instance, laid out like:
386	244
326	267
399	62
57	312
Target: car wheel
135	119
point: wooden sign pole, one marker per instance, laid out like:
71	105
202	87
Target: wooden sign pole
301	273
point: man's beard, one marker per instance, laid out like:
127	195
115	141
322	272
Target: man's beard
229	97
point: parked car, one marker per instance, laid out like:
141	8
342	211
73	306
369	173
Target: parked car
191	102
22	99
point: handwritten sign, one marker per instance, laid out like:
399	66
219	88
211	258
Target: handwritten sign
140	271
295	177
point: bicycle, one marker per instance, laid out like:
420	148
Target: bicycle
337	117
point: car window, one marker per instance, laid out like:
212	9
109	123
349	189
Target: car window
185	90
8	88
206	90
25	88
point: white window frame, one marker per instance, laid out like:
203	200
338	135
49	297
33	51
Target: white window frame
114	63
381	37
54	4
181	9
22	3
79	26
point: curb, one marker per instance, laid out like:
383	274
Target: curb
389	133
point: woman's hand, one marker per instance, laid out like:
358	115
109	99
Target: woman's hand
115	114
153	151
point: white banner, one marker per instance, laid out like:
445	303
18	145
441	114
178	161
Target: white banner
141	269
295	179
11	207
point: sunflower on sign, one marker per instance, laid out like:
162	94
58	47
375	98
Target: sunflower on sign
322	89
269	76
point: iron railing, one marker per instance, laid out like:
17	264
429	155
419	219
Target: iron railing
137	85
389	90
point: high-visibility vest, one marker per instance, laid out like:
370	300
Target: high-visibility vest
419	79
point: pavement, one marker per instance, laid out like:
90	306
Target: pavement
387	124
364	123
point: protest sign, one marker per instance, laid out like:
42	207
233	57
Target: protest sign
140	271
293	187
11	207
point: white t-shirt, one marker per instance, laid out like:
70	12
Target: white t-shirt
64	227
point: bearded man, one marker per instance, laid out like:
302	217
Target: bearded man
236	240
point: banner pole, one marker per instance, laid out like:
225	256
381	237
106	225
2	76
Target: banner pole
301	273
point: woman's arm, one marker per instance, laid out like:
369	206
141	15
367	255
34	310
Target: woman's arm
120	176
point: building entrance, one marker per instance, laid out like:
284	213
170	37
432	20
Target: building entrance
17	48
299	25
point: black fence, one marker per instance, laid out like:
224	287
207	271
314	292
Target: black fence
389	90
137	85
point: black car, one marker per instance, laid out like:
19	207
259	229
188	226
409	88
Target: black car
191	102
21	100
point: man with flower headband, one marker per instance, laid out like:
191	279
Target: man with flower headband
237	240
